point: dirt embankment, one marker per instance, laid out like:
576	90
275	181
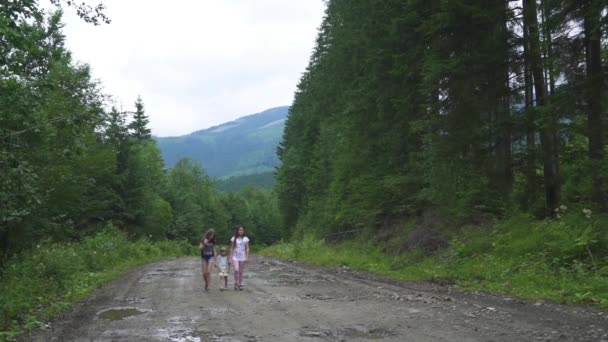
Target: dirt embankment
165	301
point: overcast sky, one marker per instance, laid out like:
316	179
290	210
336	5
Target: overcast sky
198	63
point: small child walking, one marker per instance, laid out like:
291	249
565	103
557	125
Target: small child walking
224	266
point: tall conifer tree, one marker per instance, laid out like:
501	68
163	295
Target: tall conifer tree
139	125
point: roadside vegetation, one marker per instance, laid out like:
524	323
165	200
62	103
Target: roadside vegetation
446	136
459	140
45	281
564	261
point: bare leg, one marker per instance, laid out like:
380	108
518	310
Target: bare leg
203	272
241	269
236	274
208	274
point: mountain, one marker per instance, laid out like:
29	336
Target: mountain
240	147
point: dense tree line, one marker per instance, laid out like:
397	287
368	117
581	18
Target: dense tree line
70	162
466	108
263	180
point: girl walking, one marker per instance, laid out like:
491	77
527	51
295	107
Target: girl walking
207	248
239	253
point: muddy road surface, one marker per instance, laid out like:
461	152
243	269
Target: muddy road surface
285	301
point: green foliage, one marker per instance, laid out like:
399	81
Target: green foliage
47	280
259	213
157	218
312	250
198	205
56	176
455	109
69	168
413	106
142	181
405	108
564	260
139	125
263	180
193	198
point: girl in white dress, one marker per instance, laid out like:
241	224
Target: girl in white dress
239	253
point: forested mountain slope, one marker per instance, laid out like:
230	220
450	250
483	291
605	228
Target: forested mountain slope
244	146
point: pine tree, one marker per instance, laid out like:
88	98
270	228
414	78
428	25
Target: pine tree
139	125
117	130
592	13
548	132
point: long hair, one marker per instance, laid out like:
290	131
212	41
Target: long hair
209	233
236	230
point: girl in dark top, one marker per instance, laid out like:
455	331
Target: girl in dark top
208	252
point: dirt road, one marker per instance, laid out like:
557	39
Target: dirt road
283	301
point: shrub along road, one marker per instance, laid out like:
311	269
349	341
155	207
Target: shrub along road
284	301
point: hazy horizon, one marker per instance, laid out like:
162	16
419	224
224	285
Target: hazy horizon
198	64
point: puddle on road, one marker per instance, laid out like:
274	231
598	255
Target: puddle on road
185	339
180	320
132	300
118	314
178	335
365	333
347	333
315	334
183	334
220	311
233	338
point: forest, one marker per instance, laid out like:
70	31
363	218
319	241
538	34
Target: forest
84	193
463	141
73	163
472	110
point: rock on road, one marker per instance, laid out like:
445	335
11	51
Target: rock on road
283	301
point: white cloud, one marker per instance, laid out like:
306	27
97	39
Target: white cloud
198	63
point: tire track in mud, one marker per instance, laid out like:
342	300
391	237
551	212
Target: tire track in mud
286	301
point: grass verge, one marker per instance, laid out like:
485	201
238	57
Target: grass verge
564	261
46	281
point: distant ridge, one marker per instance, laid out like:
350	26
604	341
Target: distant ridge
244	146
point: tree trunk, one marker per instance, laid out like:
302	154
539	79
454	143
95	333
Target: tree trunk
504	168
595	79
548	136
531	179
550	79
